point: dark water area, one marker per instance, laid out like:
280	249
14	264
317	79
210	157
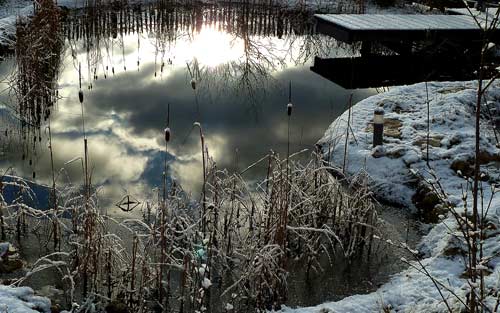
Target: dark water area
136	62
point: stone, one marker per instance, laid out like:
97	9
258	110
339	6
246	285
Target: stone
116	306
391	128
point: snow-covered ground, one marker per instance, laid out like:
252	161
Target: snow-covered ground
396	170
22	300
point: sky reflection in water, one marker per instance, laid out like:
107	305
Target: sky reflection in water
240	100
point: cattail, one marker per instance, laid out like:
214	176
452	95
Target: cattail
80	95
167	134
289	107
193	84
34	174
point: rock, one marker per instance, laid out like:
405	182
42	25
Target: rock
55	308
411	157
448	90
391	128
455	247
378	151
116	306
434	141
465	167
50	291
428	203
10	266
396	152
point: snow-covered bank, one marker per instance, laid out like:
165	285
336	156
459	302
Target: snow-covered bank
22	300
400	166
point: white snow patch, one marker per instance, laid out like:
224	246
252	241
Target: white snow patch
22	300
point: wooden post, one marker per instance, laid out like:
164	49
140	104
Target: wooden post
378	127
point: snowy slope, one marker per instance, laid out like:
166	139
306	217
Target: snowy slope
394	171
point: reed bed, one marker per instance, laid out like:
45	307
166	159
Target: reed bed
228	251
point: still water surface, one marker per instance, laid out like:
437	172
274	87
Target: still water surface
242	63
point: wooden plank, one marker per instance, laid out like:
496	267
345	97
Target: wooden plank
398	27
399	21
482	17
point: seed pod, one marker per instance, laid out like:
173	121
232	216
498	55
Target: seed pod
80	96
167	134
34	174
31	162
289	109
193	84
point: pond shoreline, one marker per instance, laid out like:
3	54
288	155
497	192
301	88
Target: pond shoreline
398	168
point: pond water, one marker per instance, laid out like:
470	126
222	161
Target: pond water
131	73
227	67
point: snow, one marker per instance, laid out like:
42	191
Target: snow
206	283
4	248
394	170
22	300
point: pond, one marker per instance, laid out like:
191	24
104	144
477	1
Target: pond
242	76
232	68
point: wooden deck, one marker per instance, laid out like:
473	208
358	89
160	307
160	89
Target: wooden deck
399	27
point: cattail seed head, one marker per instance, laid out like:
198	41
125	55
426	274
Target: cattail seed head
289	108
167	134
80	96
193	84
